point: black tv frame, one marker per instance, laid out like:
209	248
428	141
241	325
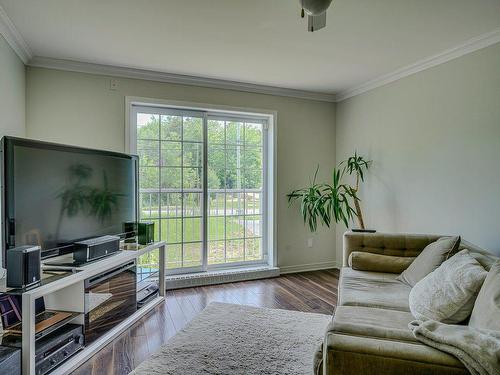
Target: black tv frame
7	144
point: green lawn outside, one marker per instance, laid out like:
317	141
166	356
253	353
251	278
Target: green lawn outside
234	249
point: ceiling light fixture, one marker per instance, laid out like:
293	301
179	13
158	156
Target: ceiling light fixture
316	13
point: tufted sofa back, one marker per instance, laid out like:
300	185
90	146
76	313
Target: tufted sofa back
403	244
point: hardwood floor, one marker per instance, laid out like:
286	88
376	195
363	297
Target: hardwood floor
308	291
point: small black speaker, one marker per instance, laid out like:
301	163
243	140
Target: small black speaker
130	230
23	266
146	233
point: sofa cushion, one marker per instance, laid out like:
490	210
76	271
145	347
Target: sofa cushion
448	293
372	322
372	289
349	272
353	355
429	259
486	312
362	261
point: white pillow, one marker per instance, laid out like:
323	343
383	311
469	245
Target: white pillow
448	293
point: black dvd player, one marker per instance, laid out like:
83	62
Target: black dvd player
53	349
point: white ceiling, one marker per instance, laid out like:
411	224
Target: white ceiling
254	41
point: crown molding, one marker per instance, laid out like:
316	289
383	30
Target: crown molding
474	44
14	38
117	71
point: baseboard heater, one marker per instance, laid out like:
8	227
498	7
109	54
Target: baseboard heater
220	277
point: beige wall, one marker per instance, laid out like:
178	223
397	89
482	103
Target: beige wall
435	141
80	109
12	92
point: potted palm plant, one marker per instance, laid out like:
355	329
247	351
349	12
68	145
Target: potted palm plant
323	203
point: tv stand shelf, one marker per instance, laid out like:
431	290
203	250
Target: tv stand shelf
61	293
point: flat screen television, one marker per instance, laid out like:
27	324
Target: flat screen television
54	195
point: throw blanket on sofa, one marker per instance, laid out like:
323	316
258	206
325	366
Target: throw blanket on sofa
477	349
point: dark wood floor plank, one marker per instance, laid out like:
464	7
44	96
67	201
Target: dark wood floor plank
178	317
314	291
103	362
123	354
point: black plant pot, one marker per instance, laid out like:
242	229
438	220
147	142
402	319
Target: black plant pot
363	230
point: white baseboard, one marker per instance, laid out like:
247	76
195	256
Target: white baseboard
220	277
309	267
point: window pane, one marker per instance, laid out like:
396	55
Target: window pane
216	132
171	204
193	129
253	226
148	126
234	178
253	249
171	154
192	254
235	227
171	230
216	204
253	134
234	157
192	229
171	178
235	203
192	178
252	203
148	178
174	256
216	158
148	151
235	250
253	179
149	205
171	127
252	159
215	179
234	132
216	228
192	204
216	252
192	154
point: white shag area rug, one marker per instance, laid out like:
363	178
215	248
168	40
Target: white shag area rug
228	339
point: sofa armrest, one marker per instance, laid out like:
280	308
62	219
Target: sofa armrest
396	244
352	355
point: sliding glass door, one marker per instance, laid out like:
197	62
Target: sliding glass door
202	183
234	190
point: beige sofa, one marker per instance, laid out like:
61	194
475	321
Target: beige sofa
369	332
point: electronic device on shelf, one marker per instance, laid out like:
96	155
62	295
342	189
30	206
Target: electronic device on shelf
146	232
23	266
55	195
147	293
53	349
147	279
46	321
130	230
95	248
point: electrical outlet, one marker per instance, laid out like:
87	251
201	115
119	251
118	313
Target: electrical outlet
309	242
113	84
